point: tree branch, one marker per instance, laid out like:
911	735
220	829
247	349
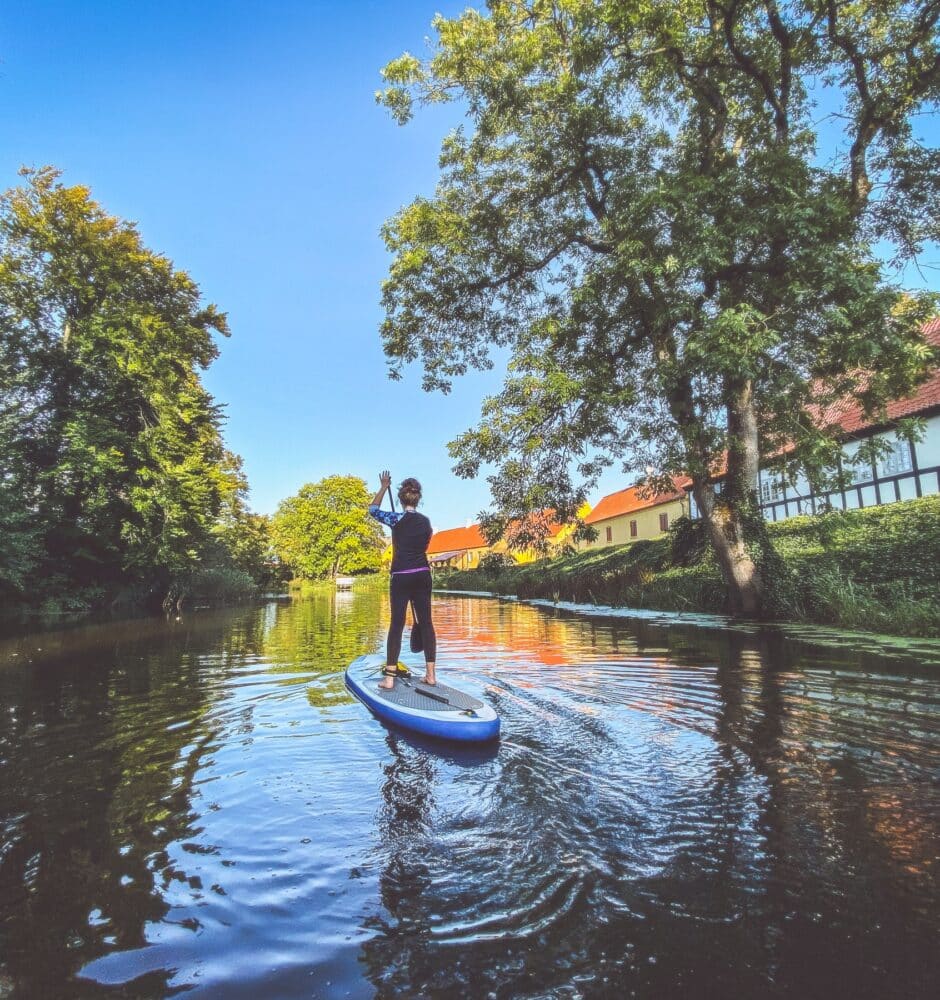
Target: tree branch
750	66
867	129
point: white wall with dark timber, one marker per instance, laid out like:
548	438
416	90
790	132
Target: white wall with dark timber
904	472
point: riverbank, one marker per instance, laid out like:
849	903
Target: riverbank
206	587
873	570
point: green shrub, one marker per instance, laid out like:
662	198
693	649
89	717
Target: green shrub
688	542
213	585
494	563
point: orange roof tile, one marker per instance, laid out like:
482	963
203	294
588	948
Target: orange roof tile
634	498
453	539
546	515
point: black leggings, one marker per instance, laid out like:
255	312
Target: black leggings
408	588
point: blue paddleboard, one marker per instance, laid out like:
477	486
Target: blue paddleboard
441	710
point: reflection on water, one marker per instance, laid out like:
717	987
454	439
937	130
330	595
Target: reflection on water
199	806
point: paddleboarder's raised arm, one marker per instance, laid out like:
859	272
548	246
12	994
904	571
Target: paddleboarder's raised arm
385	481
387	517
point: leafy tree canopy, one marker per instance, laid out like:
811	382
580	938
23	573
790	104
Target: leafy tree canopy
325	529
112	467
651	211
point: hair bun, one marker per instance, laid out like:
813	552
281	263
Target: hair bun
409	493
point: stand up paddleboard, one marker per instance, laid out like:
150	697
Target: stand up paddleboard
440	711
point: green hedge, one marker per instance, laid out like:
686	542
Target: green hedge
873	569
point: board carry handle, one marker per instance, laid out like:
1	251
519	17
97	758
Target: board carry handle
428	693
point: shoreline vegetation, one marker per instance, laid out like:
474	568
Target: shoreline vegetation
117	491
118	494
872	570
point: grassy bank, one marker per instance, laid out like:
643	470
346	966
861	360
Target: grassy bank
873	569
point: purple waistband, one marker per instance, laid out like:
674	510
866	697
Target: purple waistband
420	569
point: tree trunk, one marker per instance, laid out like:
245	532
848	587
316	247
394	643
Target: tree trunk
726	532
733	517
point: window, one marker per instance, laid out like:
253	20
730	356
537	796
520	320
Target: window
610	533
770	489
897	460
663	522
858	472
633	529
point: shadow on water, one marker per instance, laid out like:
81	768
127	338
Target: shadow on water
673	811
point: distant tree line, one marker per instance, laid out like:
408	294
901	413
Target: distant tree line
323	530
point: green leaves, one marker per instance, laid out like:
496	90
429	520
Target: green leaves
644	209
325	529
732	344
115	459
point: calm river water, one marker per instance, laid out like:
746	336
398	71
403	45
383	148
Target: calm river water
673	811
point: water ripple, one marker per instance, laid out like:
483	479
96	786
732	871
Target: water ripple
688	811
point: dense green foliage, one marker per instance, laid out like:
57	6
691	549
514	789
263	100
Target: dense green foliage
649	209
115	486
325	529
872	569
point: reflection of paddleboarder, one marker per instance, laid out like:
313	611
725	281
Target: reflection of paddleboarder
411	574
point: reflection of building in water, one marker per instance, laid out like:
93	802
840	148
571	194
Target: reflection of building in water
844	828
899	824
533	636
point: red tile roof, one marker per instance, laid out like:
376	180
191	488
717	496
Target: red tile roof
634	498
457	539
847	413
454	540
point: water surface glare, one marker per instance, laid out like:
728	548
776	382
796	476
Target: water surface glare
199	806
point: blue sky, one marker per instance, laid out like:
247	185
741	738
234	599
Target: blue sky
244	139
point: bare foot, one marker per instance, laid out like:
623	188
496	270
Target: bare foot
429	678
387	683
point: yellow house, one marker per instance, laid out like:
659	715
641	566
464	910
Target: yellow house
458	548
634	514
558	537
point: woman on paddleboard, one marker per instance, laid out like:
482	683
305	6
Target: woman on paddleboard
411	574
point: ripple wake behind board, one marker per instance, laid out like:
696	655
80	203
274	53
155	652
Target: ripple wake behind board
441	711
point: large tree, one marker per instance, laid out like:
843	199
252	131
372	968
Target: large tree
666	214
324	529
112	467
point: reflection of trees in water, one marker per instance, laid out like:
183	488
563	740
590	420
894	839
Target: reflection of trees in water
323	632
804	847
803	854
97	782
807	873
827	917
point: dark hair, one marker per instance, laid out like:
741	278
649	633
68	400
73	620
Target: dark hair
409	493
